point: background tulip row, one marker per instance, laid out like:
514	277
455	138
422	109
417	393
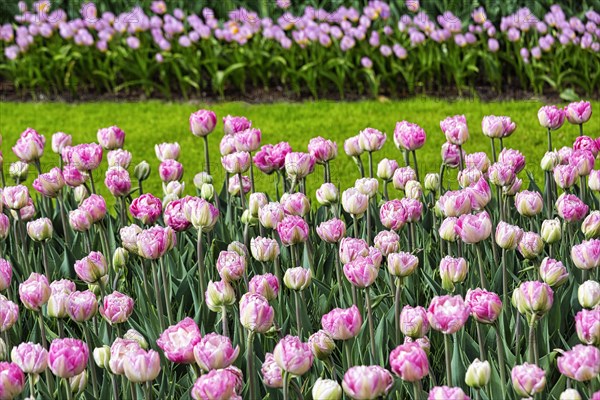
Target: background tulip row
369	50
478	288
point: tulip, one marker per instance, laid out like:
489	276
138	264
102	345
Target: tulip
447	230
292	230
86	157
216	385
550	161
95	205
271	214
34	292
551	117
256	314
146	208
588	294
167	151
40	230
322	150
116	308
218	295
264	249
67	357
60	140
293	356
132	334
321	344
414	322
271	158
352	146
402	264
298	165
367	382
202	122
478	374
332	231
409	136
351	248
29	146
174	216
361	272
455	129
214	351
484	306
326	389
297	278
447	313
586	143
57	303
387	242
18	171
497	127
533	298
452	270
49	184
9	313
295	204
393	214
409	362
92	267
111	138
342	324
571	208
367	186
528	379
386	169
371	139
581	363
587	325
565	175
12	380
570	394
202	214
141	365
81	306
4	225
271	372
74	177
530	245
237	162
553	272
15	197
551	231
508	236
478	160
591	225
586	255
231	266
119	350
447	393
30	357
512	158
327	194
5	274
454	203
583	162
178	341
233	125
451	155
468	176
247	140
528	203
142	171
578	113
474	228
402	176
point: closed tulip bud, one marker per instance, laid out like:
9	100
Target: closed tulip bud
119	158
367	186
533	298
120	258
264	249
78	383
371	139
485	306
167	151
326	389
594	180
91	268
202	122
570	394
231	266
3	350
402	264
202	178
550	160
50	183
455	203
298	278
298	165
80	193
588	294
448	314
202	214
141	366
478	374
57	305
432	182
266	285
413	321
247	218
342	324
402	175
468	176
95	205
327	194
591	225
587	325
447	230
508	236
565	176
354	202
387	242
292	230
40	230
581	363
332	231
142	171
528	379
132	334
386	169
530	246
256	201
321	344
551	231
474	228
413	190
218	295
553	272
409	361
9	314
453	270
551	117
18	171
60	140
528	203
256	314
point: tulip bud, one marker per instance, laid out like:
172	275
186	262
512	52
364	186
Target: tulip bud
120	258
533	298
570	394
218	295
553	272
432	182
550	160
453	270
142	171
207	191
255	202
588	294
247	218
40	230
413	190
78	382
386	169
3	350
447	229
327	194
202	178
551	231
297	278
102	356
132	334
18	171
326	389
591	225
478	374
80	193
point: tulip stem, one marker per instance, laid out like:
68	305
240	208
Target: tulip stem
63	216
441	188
157	297
398	308
493	150
361	168
414	153
338	272
115	388
532	341
448	357
286	385
250	364
355	220
385	190
501	362
133	391
242	195
462	159
371	328
369	222
206	159
417	390
224	321
91	174
549	140
481	341
200	263
370	164
92	367
480	262
148	391
348	353
166	290
68	388
45	260
251	175
298	322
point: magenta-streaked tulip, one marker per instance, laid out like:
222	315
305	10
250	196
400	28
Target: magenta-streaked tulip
15	197
81	306
9	314
202	122
551	117
266	285
4	225
454	203
117	181
367	382
271	214
451	155
323	150
453	270
528	379
29	146
50	183
60	140
12	380
413	208
67	357
116	307
293	355
256	201
371	139
146	208
218	384
586	255
74	177
513	158
351	248
32	358
591	225
141	365
533	297
271	158
256	314
321	344
231	266
332	231
170	170
586	143
95	205
447	314
478	160
247	140
295	204
392	214
387	242
581	363
292	230
579	112
298	165
236	162
5	274
119	350
528	203
587	325
409	136
86	157
111	138
447	393
174	216
531	245
233	125
35	291
215	351
409	362
342	323
92	267
485	306
167	151
497	127
367	186
402	264
352	146
474	228
571	208
361	272
413	322
565	175
201	213
468	176
508	236
178	341
264	249
403	175
272	374
354	202
553	272
455	129
583	162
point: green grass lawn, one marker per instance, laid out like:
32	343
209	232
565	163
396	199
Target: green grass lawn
148	123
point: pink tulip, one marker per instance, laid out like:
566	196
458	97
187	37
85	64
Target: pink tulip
485	306
50	183
455	129
393	215
256	201
95	205
272	374
34	292
119	350
111	138
533	297
531	245
448	313
40	230
478	160
12	380
116	308
332	231
81	306
295	204
581	363
141	365
354	202
501	174
297	278
129	236
497	127
322	150
342	324
146	208
60	140
553	272
86	157
413	208
371	139
67	357
583	162
386	169
299	165
351	248
233	125
167	151
5	274
174	216
178	341
264	249
218	295
409	136
454	203
231	266
451	155
271	158
468	176
293	355
292	230
387	242
218	384
247	140
508	236
202	122
266	285
170	170
402	176
413	322
586	143
201	213
271	214
4	224
26	212
513	158
528	379
452	270
9	314
227	145
92	267
15	197
256	314
74	177
30	357
565	175
367	382
352	146
29	146
402	264
117	181
321	344
234	185
361	272
551	117
237	162
214	351
447	393
528	203
586	255
571	208
587	325
578	113
474	228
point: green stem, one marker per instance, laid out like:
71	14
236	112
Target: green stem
286	385
417	390
532	340
370	164
355	220
68	388
504	278
148	391
224	322
157	297
166	290
250	364
45	261
549	140
369	221
251	174
414	153
348	354
338	272
206	155
31	379
200	264
481	341
480	262
501	362
91	366
371	327
493	149
242	194
91	174
398	308
448	358
298	321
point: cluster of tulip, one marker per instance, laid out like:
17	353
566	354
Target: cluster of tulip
322	48
337	325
